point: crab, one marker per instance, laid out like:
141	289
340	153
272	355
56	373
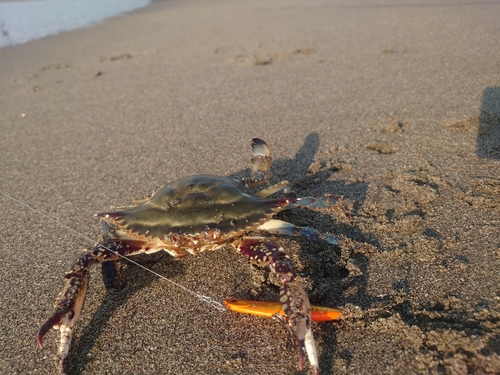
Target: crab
196	214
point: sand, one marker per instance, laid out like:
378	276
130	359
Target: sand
394	105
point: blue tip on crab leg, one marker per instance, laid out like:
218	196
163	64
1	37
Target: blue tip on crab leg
284	227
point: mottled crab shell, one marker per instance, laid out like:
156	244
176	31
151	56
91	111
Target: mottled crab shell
194	206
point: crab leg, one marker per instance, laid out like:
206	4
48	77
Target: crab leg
293	298
70	301
68	305
283	227
283	185
329	201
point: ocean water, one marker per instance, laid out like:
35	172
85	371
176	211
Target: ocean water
22	21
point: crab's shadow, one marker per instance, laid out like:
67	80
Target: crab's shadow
322	265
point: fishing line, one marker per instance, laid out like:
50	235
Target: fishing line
210	301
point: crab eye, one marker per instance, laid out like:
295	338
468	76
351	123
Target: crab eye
214	234
172	238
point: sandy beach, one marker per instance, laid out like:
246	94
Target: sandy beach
395	105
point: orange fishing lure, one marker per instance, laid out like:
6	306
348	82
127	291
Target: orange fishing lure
269	309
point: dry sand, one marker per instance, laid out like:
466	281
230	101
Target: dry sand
396	107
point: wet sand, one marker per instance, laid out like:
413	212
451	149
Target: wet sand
394	106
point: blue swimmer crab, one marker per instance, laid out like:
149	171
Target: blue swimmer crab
197	214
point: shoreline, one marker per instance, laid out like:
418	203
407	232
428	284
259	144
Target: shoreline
22	23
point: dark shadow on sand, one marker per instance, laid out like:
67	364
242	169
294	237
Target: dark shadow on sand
488	136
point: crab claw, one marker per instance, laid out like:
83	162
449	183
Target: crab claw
260	163
293	298
64	320
68	307
296	306
53	320
311	351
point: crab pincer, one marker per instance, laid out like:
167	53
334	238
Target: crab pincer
297	310
68	307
